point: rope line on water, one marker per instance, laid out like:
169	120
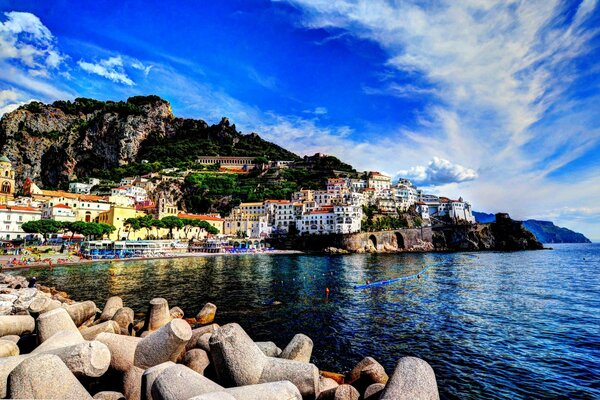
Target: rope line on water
402	278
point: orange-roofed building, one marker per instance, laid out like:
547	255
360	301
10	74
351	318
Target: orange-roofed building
13	217
59	212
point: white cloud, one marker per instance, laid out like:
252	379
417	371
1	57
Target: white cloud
316	111
10	100
110	68
137	64
438	172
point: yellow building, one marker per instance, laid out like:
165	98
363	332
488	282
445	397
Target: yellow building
116	216
7	180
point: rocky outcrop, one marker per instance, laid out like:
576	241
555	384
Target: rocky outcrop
53	143
505	234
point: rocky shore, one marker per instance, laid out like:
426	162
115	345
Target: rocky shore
52	347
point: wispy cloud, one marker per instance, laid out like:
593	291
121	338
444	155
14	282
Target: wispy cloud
438	172
110	68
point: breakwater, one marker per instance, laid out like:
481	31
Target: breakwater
48	338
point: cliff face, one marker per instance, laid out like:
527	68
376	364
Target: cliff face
53	143
503	234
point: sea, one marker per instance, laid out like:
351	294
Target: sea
493	325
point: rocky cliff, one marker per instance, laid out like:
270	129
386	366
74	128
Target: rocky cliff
52	143
503	234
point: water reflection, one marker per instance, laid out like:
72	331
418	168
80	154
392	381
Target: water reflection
493	325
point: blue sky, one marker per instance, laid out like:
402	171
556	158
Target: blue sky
497	101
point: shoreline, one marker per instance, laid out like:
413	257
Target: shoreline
83	261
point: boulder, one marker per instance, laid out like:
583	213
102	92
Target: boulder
44	376
54	321
413	379
197	360
113	304
16	324
373	392
299	349
365	373
163	345
207	314
270	349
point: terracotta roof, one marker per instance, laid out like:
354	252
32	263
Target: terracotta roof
19	208
61	193
62	206
278	201
200	217
320	212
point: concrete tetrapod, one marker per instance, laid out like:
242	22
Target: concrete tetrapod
16	324
342	392
113	304
124	317
158	314
197	333
373	392
94	330
54	321
299	349
197	360
165	344
81	312
44	376
149	376
269	348
122	350
239	361
8	348
132	383
413	379
109	395
207	314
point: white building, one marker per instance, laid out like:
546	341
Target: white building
250	226
347	218
137	193
13	217
378	181
320	221
58	212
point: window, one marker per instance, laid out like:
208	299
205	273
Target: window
5	187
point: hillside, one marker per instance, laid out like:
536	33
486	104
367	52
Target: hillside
55	143
544	231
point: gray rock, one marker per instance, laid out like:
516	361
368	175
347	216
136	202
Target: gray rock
122	350
93	331
197	360
124	317
299	349
44	376
214	396
163	345
113	304
16	325
342	392
132	383
326	384
149	376
283	390
207	314
90	359
413	379
53	321
81	312
373	392
108	395
197	333
181	383
304	376
204	342
8	348
270	349
365	373
12	338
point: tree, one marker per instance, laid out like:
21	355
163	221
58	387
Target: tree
132	224
42	226
146	223
157	224
172	222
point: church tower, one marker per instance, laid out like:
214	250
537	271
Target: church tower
7	180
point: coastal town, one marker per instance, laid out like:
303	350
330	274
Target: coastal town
131	211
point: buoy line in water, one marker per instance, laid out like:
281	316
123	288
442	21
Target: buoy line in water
402	278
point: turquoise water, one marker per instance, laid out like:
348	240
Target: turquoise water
493	325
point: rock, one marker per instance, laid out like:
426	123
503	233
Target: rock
204	342
339	378
214	396
86	359
238	360
178	382
122	350
342	392
149	376
12	338
113	304
163	345
81	312
132	383
365	373
270	349
373	392
176	313
326	384
198	333
58	340
8	348
93	331
299	349
207	314
124	317
44	376
53	321
197	360
413	379
16	325
158	314
107	395
283	390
